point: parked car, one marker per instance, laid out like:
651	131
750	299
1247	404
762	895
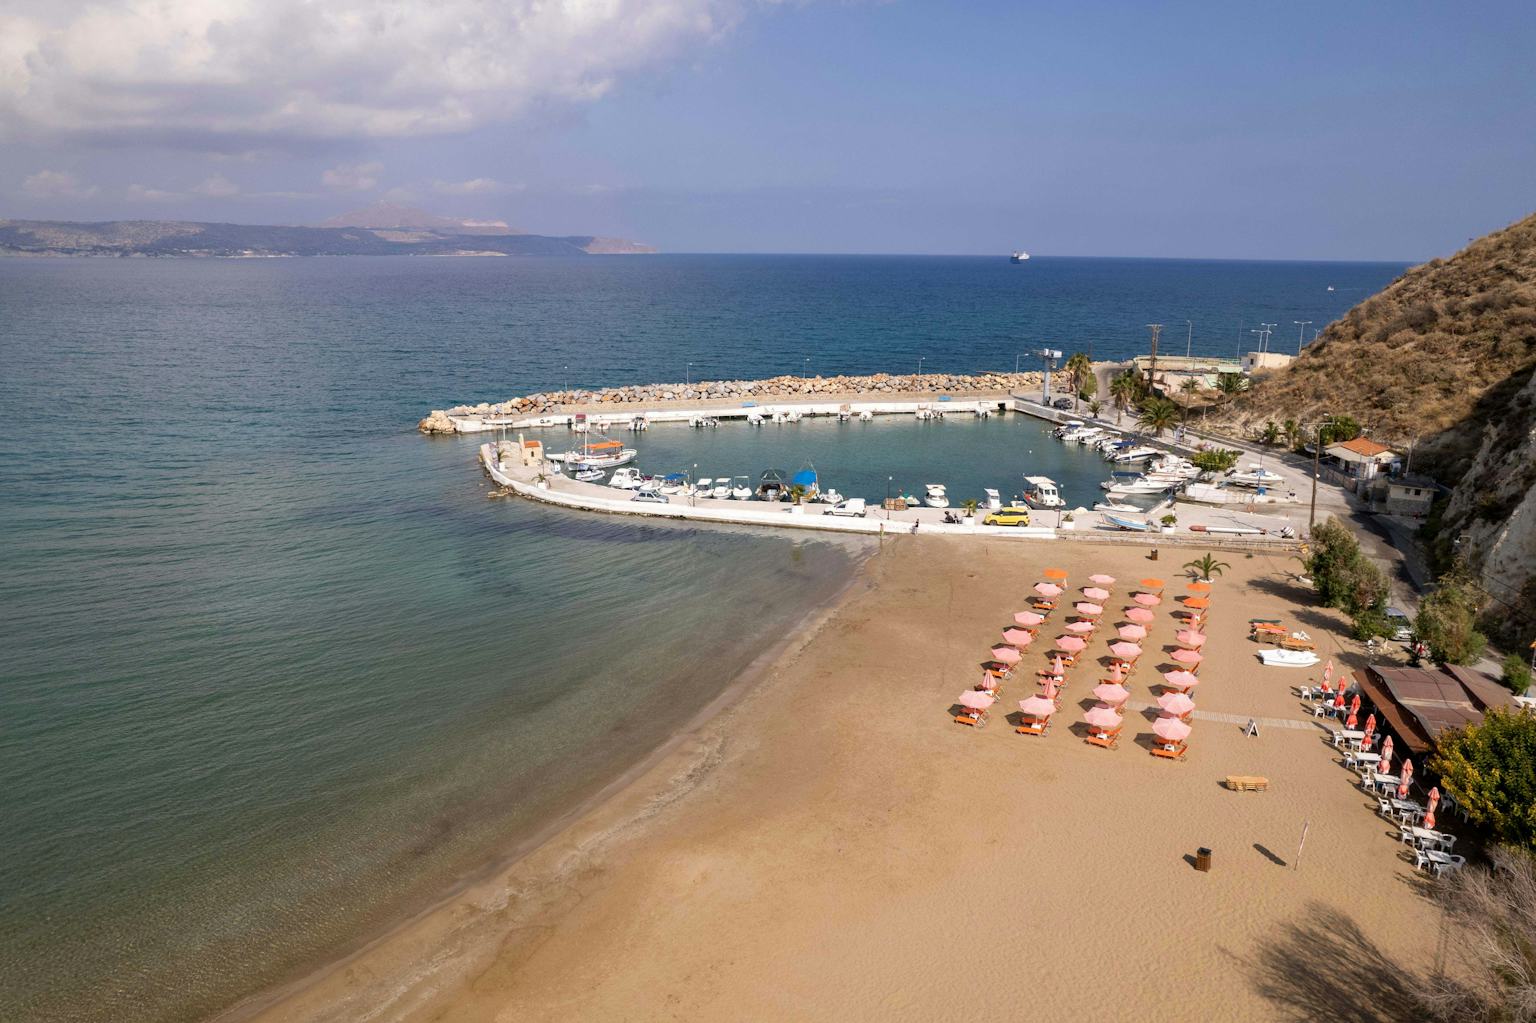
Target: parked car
854	506
1400	624
649	497
1062	403
1012	516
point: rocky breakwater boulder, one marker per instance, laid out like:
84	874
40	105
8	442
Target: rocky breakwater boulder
437	421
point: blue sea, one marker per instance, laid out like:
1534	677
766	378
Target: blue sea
273	669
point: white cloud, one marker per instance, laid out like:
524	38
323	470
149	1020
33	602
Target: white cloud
143	193
475	186
52	184
353	177
217	187
225	74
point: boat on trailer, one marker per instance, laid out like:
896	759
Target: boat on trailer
1120	522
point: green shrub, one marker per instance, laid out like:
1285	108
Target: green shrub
1490	769
1517	674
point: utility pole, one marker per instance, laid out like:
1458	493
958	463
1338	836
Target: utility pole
1301	333
1317	457
1157	331
1189	343
1049	355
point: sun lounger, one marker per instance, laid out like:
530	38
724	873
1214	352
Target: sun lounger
1108	740
1031	727
1292	643
1170	753
1247	783
974	718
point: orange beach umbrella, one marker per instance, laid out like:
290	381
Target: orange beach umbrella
1153	584
1197	602
1200	587
1055	573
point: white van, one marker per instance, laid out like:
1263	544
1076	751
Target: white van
854	507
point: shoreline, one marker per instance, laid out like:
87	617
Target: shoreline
629	800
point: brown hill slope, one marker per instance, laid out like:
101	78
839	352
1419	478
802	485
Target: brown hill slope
1419	358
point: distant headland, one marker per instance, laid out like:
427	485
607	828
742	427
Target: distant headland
384	229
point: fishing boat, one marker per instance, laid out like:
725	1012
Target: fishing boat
626	479
1042	493
1277	658
1120	522
601	454
936	496
741	488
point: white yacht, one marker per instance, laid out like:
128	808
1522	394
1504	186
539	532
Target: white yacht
741	488
936	496
1070	426
1136	454
1020	256
1137	486
1042	493
1087	435
627	478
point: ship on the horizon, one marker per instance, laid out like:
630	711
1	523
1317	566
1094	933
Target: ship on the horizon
1018	256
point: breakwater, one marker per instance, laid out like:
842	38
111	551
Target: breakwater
783	388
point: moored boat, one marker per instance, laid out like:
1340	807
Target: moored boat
1042	493
936	496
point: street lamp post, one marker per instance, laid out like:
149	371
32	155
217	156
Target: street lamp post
688	376
807	367
1301	333
1317	459
1017	356
920	366
1189	343
1049	357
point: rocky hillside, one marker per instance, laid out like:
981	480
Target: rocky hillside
1442	358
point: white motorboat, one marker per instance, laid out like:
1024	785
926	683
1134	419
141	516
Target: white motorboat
1042	493
700	422
866	416
1136	454
704	485
588	474
1256	476
1071	426
793	417
639	424
1136	486
936	496
753	419
741	488
994	500
626	479
1021	256
650	485
1087	435
721	491
1118	507
1276	658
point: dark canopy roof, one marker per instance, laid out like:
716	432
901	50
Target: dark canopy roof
1420	703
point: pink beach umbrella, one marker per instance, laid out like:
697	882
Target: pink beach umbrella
1327	672
975	699
1186	656
1018	637
1133	631
1190	637
1128	651
1028	618
1354	712
1048	589
1385	765
1051	689
1181	679
1078	628
1177	704
1102	717
1095	593
1006	654
1429	811
1112	693
1405	779
1085	608
1037	707
1139	614
1171	729
1147	599
1071	644
1102	580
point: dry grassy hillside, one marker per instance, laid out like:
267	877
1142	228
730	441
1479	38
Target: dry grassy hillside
1434	356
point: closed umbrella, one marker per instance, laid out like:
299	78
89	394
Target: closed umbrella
1189	637
1147	599
1084	607
1095	593
1429	812
1006	654
1327	689
975	699
1071	644
1133	631
1057	666
1116	672
1181	679
1385	765
1354	712
1404	779
1103	717
1018	637
1102	580
1127	651
1048	589
1028	618
1153	584
1037	707
1051	689
1140	615
1338	697
1370	727
1327	673
1112	693
1055	573
1186	656
1177	704
1171	729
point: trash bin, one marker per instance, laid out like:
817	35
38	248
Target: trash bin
1153	555
1203	859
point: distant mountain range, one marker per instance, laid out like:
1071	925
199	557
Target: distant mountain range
383	229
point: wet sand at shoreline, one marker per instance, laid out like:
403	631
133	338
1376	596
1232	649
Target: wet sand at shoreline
833	846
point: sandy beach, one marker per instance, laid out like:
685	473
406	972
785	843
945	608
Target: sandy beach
833	846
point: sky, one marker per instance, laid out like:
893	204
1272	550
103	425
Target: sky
1393	131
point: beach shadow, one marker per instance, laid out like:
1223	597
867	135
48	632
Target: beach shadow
1190	859
1146	740
1271	857
1323	966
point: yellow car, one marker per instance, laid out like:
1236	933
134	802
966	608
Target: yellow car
1007	517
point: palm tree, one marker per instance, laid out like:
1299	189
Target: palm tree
1206	566
1270	435
1080	371
1157	415
1095	407
1231	384
1122	391
1292	430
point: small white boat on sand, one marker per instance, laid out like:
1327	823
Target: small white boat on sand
1276	658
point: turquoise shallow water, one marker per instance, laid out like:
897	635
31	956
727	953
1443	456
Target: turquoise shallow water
274	668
